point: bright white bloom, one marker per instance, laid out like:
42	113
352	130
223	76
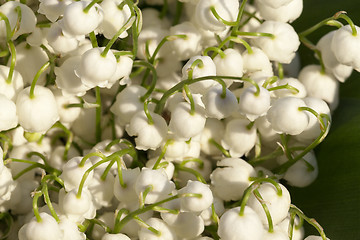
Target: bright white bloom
115	236
8	117
312	237
148	136
226	9
218	106
292	82
252	105
346	46
298	233
181	117
102	190
239	139
275	3
232	173
277	234
67	115
76	208
59	42
37	114
127	193
10	90
232	226
278	205
185	224
96	69
230	65
151	37
76	22
283	46
128	103
206	67
189	46
28	19
72	173
320	84
70	229
124	66
285	116
53	9
35	230
165	232
257	61
114	18
196	204
286	13
214	129
340	71
157	180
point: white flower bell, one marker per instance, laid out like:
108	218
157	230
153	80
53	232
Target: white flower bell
37	114
10	90
254	104
229	65
53	9
283	46
8	116
76	22
196	204
285	13
96	69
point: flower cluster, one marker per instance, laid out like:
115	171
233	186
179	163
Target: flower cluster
162	119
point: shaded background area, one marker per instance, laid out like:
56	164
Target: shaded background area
334	199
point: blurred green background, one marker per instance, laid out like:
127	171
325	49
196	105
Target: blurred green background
334	199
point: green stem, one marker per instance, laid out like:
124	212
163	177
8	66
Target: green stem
30	154
179	9
92	154
35	206
12	62
280	70
220	19
255	34
92	3
311	221
198	176
164	9
218	146
216	50
154	79
9	33
147	113
266	210
70	138
33	84
93	40
239	17
163	151
48	202
128	23
98	112
189	95
294	90
120	175
18	20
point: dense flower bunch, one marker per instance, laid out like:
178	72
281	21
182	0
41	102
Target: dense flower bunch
162	119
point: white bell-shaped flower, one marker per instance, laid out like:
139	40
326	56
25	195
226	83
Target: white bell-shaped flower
7	183
303	172
229	65
124	66
115	236
66	79
313	129
72	173
283	46
165	232
340	71
169	167
267	133
148	135
59	42
67	115
232	226
10	90
320	84
285	13
37	114
217	105
102	189
214	129
232	173
254	105
275	3
188	46
277	204
226	9
157	180
28	19
293	82
41	230
77	208
53	9
298	232
276	234
76	22
196	204
181	117
149	38
28	61
151	18
346	46
114	18
239	139
96	69
256	61
128	103
8	117
70	229
207	214
313	237
186	225
127	192
286	117
207	67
